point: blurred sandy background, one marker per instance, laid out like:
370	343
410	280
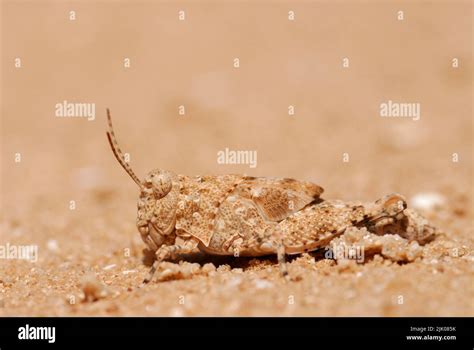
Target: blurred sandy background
190	63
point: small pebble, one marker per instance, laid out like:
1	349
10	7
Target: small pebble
262	284
52	245
92	288
427	201
209	267
165	274
234	282
223	268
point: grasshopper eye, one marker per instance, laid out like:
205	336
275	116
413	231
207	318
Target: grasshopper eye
394	204
161	185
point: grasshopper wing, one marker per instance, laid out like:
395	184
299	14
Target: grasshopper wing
276	199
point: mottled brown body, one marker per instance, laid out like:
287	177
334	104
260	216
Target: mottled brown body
248	216
312	227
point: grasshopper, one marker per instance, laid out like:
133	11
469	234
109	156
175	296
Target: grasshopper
242	215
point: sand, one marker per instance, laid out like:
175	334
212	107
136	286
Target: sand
69	198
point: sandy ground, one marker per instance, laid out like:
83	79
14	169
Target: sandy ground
90	256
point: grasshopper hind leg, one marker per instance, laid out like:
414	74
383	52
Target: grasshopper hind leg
151	273
276	240
281	256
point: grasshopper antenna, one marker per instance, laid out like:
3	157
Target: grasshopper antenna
118	153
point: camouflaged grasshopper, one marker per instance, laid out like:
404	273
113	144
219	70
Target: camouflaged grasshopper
247	216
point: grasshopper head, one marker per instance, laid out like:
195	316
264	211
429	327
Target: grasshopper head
157	205
386	211
390	215
159	182
158	199
414	227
